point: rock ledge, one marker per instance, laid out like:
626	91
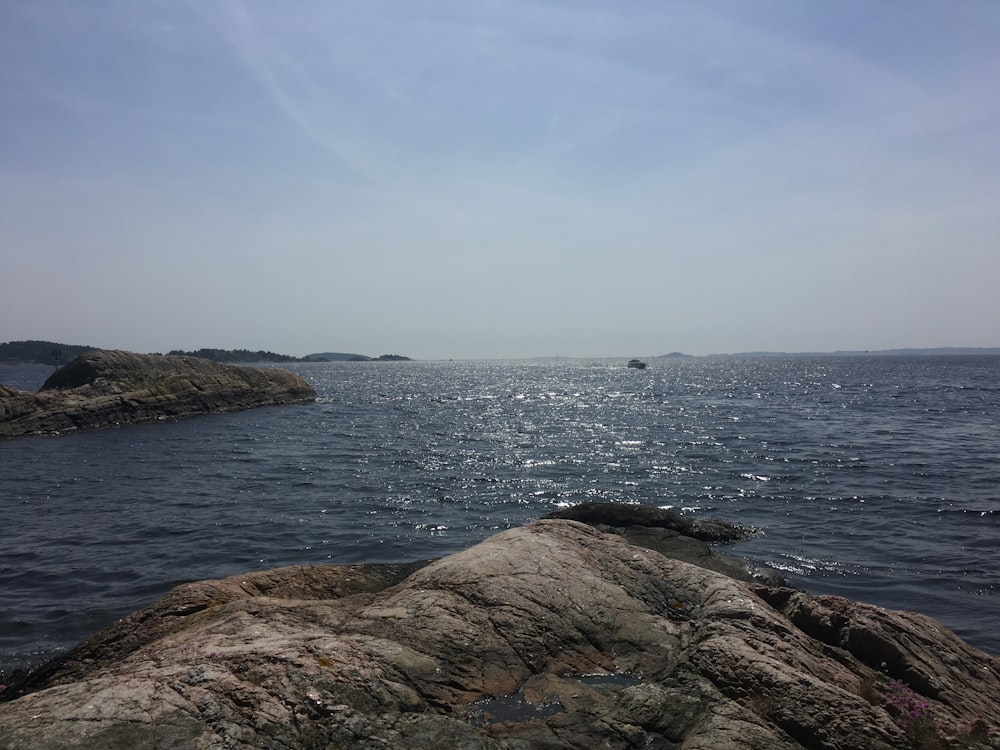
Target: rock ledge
107	388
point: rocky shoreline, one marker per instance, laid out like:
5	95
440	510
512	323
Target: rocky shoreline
106	388
609	626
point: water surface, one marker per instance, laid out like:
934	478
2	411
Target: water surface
875	478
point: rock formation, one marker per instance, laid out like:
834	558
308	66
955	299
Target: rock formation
106	388
553	635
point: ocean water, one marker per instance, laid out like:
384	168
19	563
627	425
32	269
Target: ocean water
875	478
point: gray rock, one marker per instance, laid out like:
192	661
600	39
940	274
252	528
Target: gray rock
553	635
630	515
110	388
671	534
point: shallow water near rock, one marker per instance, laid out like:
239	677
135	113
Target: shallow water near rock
873	478
610	679
512	707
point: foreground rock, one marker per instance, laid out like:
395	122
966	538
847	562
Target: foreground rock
554	635
107	388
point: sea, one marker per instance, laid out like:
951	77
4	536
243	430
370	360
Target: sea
871	477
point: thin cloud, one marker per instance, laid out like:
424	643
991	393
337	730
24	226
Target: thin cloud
294	93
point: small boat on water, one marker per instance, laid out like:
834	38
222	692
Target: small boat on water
637	364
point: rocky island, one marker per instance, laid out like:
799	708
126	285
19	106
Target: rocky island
599	627
106	388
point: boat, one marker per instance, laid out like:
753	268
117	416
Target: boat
637	364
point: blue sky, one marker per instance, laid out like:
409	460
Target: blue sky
491	178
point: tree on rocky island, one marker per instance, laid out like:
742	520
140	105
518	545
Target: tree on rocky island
41	352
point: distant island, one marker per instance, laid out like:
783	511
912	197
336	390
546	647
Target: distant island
51	353
345	357
234	355
243	355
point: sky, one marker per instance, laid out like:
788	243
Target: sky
500	178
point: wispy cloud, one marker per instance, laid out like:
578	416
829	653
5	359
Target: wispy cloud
295	92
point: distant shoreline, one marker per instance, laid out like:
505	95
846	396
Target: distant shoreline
56	354
49	353
947	351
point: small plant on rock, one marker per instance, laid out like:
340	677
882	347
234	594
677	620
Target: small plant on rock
914	715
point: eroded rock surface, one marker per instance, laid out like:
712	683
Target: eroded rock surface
553	635
107	388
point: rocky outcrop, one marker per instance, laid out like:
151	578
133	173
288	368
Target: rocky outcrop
108	388
554	635
676	536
